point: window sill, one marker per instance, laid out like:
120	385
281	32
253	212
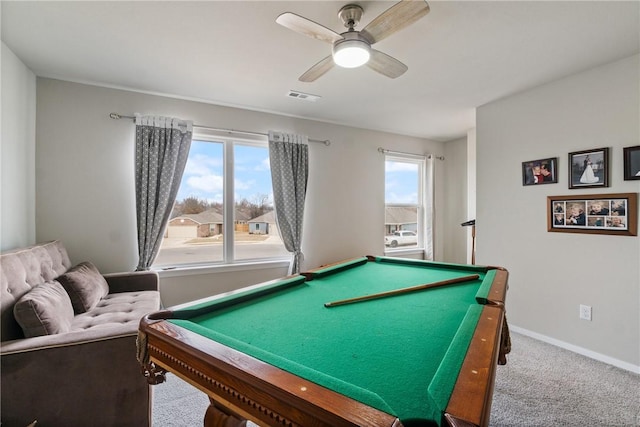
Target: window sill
188	270
404	252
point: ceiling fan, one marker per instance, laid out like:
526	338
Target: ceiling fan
352	48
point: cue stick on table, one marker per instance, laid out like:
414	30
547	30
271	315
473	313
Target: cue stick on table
403	290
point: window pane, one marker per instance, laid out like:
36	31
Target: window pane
194	232
402	203
256	233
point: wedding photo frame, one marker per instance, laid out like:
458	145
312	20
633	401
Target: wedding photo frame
615	213
542	171
589	168
631	163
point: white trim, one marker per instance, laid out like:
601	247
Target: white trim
228	197
402	155
424	206
428	216
404	251
193	270
203	134
579	350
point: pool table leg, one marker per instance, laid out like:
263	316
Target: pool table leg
154	373
219	417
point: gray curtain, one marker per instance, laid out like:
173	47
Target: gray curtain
162	149
289	159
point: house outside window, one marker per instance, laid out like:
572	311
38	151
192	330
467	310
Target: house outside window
226	184
404	203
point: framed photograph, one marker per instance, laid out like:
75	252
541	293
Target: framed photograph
589	168
543	171
615	213
631	163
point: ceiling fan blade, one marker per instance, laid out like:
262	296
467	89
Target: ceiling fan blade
386	65
307	27
394	19
318	70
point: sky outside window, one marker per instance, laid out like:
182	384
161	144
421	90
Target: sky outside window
401	182
203	174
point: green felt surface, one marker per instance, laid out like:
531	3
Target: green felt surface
383	352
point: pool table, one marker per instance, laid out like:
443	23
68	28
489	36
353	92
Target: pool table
275	354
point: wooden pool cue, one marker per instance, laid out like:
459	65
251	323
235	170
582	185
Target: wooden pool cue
403	290
473	244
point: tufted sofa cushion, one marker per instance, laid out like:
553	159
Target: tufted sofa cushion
118	310
20	271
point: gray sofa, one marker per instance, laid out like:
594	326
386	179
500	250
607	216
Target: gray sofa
68	341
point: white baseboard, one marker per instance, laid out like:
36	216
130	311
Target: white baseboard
580	350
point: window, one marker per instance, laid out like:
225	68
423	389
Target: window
224	208
404	202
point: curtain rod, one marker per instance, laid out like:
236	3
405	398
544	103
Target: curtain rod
421	156
117	116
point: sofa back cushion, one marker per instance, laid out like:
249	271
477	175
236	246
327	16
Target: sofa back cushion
44	310
85	285
20	271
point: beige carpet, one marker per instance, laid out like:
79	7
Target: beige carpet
544	385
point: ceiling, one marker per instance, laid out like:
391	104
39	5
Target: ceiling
460	56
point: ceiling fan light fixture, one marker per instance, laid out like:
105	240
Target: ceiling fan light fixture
351	53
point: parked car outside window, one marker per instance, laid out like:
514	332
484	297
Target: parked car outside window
401	237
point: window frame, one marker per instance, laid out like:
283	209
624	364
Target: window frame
228	202
421	205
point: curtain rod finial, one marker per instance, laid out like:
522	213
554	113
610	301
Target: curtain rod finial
115	116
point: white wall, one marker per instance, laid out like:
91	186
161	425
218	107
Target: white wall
177	287
551	274
85	179
455	153
17	153
472	189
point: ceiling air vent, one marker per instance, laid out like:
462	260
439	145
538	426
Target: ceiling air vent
303	96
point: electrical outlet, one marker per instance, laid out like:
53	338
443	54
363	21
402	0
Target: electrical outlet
585	312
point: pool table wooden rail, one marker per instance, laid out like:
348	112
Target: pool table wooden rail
247	387
470	402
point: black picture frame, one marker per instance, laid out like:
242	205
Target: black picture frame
542	171
631	163
614	214
589	168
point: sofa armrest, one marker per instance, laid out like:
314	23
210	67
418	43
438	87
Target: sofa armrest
133	281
